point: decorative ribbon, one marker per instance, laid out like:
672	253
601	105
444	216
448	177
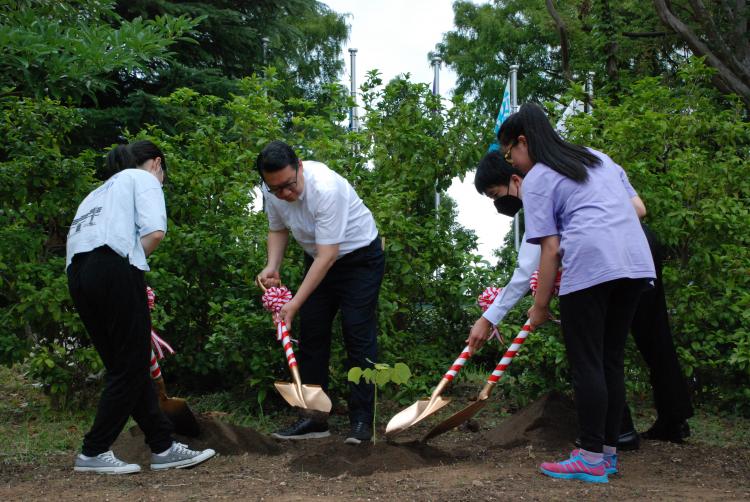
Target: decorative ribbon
534	283
485	300
273	299
276	297
157	342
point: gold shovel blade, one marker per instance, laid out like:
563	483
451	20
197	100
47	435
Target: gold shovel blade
307	397
414	414
456	419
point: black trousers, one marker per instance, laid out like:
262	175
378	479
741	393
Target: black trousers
653	337
351	285
595	322
110	296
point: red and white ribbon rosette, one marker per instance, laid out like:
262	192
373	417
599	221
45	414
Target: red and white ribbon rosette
485	300
534	283
273	299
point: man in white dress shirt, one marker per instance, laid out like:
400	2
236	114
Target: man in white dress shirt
344	265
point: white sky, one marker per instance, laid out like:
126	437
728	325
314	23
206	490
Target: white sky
394	36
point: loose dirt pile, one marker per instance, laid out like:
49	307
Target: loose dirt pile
226	439
333	458
550	421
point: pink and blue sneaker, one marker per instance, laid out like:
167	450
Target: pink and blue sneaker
610	461
576	468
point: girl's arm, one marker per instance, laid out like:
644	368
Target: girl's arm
548	265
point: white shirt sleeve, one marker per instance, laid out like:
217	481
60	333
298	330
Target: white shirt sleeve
331	216
275	221
150	210
518	286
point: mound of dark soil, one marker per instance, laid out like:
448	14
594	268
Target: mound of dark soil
550	421
334	458
226	439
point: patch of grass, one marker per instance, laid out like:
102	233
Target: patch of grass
31	432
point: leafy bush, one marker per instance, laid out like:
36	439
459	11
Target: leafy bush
687	150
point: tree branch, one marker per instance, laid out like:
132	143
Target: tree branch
564	44
644	34
733	81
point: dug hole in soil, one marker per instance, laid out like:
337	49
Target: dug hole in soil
550	421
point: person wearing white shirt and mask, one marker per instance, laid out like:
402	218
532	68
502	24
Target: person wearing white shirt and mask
115	229
344	265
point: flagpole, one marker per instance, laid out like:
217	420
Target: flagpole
436	91
588	108
353	120
514	109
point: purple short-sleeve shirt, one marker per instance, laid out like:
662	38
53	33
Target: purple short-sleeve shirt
601	238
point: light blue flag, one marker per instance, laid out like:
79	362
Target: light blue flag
501	116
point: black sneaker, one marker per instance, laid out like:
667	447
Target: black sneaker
304	428
673	432
359	432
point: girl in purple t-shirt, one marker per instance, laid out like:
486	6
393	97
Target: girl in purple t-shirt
579	211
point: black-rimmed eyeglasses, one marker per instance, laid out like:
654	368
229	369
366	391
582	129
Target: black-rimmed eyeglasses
286	186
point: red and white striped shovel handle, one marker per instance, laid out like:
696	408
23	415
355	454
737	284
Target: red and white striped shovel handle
457	364
282	334
510	353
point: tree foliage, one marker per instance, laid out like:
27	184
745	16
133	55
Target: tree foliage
688	154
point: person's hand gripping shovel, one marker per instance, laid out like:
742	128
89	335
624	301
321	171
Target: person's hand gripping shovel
462	416
426	407
304	396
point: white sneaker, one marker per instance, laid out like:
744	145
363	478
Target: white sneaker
179	456
104	463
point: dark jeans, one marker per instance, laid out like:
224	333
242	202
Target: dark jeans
653	337
110	296
351	285
595	322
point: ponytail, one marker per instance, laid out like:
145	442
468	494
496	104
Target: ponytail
119	158
545	145
133	155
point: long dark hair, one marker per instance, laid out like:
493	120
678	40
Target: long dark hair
545	145
493	170
133	155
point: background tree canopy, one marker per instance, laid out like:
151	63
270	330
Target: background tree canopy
78	76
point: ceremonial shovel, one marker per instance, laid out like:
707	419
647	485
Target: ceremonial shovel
177	411
471	410
307	397
426	407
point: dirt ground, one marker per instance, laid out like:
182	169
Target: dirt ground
490	464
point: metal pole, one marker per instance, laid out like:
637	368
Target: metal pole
436	75
353	120
514	88
436	91
589	93
264	43
514	109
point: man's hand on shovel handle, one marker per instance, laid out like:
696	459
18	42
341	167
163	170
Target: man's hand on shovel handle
269	278
479	334
287	313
